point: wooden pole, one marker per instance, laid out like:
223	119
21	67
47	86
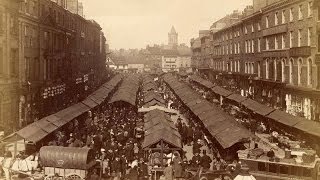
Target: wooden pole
161	153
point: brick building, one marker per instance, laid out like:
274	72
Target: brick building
269	52
61	57
9	54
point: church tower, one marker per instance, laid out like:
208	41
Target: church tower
173	38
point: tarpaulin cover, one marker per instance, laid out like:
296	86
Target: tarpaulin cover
66	157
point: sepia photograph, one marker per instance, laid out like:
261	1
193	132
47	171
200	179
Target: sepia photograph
159	90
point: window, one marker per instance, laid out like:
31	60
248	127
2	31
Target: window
227	47
275	70
259	26
309	72
222	50
246	68
238	33
267	21
283	70
300	16
259	44
283	42
252	28
291	71
235	48
245	30
252	68
291	14
14	62
267	68
276	42
299	38
283	18
259	69
276	19
238	66
309	36
267	43
252	46
309	9
1	61
238	48
249	46
290	39
231	66
299	71
246	46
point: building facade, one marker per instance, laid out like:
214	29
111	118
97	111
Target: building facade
61	58
9	54
270	52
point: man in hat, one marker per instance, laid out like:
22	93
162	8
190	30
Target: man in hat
196	159
196	147
205	160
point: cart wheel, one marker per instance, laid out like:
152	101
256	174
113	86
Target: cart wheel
73	177
203	178
52	177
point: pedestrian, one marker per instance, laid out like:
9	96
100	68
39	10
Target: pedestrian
177	166
168	171
205	161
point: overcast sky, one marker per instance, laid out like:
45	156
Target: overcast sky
137	23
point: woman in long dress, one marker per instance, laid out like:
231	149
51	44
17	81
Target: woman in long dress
177	166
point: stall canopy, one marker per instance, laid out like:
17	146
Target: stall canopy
236	97
158	127
302	124
203	82
101	94
127	91
67	157
218	123
256	107
38	130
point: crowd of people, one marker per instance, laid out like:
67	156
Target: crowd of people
110	132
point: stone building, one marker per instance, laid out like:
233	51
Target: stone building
61	58
9	73
270	53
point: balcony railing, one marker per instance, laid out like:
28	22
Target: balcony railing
275	53
275	30
300	51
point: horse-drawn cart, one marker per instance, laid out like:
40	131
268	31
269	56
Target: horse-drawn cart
67	162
